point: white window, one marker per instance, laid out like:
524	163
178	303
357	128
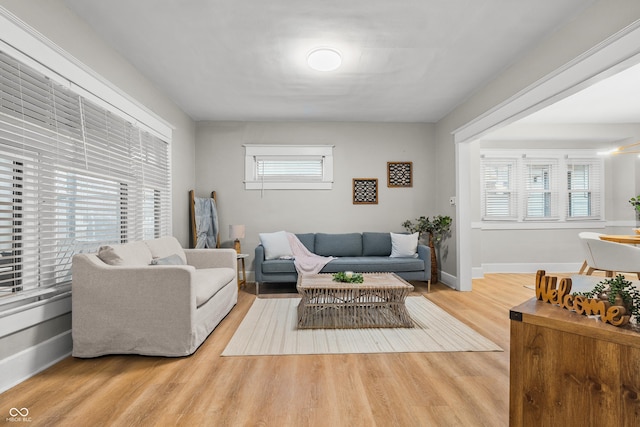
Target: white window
73	176
545	185
287	167
499	189
540	188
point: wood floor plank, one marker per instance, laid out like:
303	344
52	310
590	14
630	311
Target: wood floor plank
405	389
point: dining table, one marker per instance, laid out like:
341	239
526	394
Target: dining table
633	239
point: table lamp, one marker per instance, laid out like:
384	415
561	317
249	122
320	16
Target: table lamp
236	232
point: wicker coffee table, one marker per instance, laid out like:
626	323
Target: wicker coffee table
378	302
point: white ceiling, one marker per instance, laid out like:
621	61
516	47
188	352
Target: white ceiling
408	61
612	100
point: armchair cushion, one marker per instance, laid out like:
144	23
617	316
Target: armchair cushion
208	281
165	247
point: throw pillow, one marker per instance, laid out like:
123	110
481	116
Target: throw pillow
109	256
404	245
276	245
174	259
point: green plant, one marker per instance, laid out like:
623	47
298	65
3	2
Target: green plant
437	229
618	291
635	202
347	276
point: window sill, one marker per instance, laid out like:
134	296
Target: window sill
259	185
538	225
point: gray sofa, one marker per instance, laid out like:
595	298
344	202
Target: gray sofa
150	297
358	252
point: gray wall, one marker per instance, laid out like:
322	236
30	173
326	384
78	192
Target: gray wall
362	150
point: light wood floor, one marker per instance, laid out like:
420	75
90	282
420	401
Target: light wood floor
411	389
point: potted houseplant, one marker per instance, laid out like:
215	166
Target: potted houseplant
618	291
437	229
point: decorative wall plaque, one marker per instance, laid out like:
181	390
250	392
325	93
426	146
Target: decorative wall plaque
399	174
365	191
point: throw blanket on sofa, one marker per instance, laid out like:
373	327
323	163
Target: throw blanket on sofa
306	262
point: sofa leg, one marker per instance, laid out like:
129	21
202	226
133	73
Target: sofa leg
257	289
428	286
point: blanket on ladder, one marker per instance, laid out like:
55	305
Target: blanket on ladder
306	262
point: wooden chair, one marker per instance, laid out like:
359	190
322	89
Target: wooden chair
193	237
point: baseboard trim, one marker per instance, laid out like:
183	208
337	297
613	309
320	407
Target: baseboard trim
567	267
27	363
448	279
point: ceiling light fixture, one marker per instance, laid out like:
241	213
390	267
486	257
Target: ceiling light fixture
324	59
623	149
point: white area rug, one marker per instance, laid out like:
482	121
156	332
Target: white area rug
269	328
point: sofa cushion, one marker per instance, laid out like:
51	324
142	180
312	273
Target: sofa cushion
128	254
278	266
404	245
338	245
308	240
276	245
373	264
208	281
166	246
376	244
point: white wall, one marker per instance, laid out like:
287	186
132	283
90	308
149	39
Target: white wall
362	150
590	28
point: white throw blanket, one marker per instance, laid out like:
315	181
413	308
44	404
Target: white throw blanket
306	262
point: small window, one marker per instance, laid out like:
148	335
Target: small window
288	167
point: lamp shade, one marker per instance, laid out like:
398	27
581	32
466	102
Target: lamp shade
236	232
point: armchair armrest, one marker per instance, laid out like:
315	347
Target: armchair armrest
212	258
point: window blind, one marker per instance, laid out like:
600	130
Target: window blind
583	188
500	195
541	188
73	176
289	169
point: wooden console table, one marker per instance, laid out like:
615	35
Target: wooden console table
570	369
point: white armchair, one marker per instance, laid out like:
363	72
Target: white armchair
150	297
614	257
589	263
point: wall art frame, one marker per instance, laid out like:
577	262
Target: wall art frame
399	174
365	191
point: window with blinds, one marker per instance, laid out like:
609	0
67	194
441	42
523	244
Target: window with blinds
73	176
583	188
288	166
532	186
499	189
541	188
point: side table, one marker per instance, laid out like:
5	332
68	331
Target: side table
242	279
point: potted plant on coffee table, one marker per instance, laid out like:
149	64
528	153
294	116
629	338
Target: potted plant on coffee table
437	229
